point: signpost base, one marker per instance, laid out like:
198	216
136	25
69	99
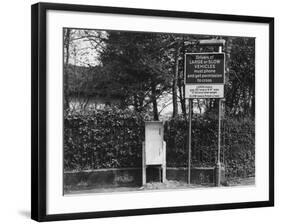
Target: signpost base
218	174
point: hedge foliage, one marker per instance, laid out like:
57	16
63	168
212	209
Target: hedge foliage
237	144
112	138
102	139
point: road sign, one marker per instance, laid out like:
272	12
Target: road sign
204	75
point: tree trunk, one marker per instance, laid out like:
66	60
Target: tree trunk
136	103
154	102
182	98
175	82
65	84
253	105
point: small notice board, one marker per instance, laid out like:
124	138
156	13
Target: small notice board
154	149
204	75
154	138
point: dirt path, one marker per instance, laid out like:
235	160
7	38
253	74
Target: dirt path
162	186
148	186
241	181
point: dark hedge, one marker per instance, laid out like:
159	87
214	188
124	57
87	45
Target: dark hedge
112	138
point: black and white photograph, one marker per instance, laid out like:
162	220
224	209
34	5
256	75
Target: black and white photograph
153	111
141	111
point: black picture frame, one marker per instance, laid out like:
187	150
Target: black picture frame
39	106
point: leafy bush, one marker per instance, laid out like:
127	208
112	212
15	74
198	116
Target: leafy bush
203	142
239	147
102	139
237	143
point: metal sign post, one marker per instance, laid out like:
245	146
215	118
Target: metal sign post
218	166
189	142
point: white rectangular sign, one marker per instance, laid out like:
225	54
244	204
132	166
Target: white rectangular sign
154	143
204	91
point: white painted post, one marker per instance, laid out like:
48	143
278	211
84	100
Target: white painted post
218	166
164	162
143	164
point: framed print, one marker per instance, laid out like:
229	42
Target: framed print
138	111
